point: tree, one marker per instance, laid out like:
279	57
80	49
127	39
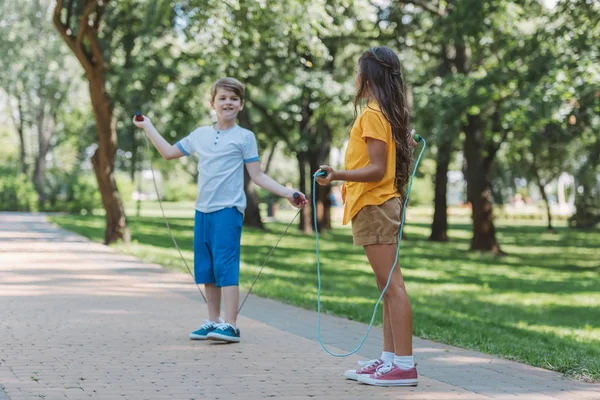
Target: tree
576	31
78	23
33	75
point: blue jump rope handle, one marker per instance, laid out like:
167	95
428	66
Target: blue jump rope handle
320	173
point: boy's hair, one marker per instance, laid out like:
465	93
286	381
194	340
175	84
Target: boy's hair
230	84
380	76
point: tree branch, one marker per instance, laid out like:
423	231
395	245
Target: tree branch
63	29
83	23
269	118
99	13
69	12
425	6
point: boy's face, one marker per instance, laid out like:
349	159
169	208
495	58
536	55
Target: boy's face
227	104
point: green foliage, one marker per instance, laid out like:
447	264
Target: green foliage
17	193
422	192
179	190
70	192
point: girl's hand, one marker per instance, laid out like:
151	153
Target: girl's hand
326	180
297	199
413	142
142	124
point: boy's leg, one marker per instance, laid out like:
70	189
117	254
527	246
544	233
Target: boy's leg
231	300
203	265
227	233
213	300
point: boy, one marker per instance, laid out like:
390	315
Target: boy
224	149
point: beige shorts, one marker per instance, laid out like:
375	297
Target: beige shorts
377	224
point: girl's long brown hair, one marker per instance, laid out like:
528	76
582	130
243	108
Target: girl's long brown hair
380	78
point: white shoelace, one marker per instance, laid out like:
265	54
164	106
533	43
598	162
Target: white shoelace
383	369
367	364
209	324
224	325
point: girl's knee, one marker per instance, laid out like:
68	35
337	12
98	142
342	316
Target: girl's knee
394	291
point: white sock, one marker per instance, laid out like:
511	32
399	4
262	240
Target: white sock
404	362
387	356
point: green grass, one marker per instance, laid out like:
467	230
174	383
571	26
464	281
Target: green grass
540	304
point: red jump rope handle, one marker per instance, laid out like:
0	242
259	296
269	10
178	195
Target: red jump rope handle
138	116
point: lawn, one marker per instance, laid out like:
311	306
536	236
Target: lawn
540	304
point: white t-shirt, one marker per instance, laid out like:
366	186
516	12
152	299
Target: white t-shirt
222	155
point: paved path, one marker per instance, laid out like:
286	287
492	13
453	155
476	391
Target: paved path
79	321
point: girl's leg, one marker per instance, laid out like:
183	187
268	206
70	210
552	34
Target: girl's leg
213	300
381	257
388	338
231	299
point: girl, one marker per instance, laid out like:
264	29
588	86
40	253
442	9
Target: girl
377	171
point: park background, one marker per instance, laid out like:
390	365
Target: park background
502	242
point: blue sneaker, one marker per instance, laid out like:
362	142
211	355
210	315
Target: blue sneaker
225	332
205	329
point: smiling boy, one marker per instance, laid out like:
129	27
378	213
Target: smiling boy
223	149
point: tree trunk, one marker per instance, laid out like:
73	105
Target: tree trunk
479	188
307	133
323	193
20	130
439	227
103	161
45	130
252	215
542	188
306	222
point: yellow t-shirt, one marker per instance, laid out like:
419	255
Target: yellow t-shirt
370	124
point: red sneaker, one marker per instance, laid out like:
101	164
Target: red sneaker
368	368
389	374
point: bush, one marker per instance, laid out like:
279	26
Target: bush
73	193
179	190
17	192
422	192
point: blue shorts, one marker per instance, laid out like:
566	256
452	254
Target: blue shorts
217	237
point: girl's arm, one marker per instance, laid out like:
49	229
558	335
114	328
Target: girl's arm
266	182
373	172
165	149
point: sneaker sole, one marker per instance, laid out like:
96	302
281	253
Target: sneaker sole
402	382
197	337
222	338
350	374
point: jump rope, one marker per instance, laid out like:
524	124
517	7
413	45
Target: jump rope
320	173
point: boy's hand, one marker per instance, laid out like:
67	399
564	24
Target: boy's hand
326	180
142	124
413	142
297	199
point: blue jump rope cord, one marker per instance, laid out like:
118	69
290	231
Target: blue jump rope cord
391	272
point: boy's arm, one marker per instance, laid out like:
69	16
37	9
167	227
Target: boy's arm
266	182
167	150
